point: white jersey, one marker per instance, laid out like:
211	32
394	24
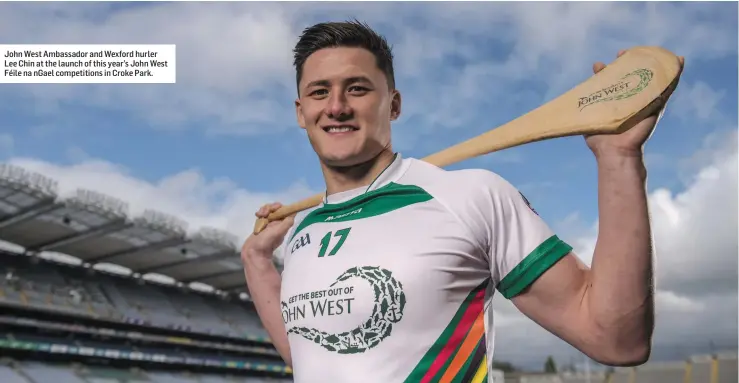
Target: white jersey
394	282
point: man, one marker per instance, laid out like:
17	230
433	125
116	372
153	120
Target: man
391	279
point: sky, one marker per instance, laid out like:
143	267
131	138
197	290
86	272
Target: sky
223	140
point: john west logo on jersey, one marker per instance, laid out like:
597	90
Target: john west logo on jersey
337	299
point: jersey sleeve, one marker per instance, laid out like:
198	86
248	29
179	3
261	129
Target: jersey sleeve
519	243
285	248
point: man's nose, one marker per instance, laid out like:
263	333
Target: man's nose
338	106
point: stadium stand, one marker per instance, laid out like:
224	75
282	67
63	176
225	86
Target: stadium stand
90	293
719	368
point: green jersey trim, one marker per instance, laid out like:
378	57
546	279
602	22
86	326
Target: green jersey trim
380	201
395	157
533	266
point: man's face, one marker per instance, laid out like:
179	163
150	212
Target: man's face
345	105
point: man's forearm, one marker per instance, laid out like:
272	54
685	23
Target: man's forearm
620	296
264	281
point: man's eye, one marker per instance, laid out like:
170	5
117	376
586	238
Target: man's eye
319	92
357	89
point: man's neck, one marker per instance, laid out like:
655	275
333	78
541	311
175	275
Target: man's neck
341	179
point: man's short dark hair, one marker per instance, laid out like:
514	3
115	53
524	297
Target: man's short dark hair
351	33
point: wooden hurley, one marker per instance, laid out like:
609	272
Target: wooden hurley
631	88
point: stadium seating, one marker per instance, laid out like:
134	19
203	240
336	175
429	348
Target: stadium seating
128	300
35	372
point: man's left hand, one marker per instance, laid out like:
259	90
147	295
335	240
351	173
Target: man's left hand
629	143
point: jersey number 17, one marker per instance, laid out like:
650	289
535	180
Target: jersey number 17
326	241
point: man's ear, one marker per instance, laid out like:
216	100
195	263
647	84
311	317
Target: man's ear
299	113
395	105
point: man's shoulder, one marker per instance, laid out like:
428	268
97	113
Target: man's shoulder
300	216
298	221
462	182
469	195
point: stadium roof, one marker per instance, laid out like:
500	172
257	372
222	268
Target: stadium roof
99	231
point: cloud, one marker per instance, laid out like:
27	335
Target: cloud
695	235
220	51
523	57
455	62
188	194
698	101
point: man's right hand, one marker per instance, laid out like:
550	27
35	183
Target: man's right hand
263	280
264	244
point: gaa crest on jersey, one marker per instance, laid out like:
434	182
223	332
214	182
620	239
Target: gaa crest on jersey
527	203
300	242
